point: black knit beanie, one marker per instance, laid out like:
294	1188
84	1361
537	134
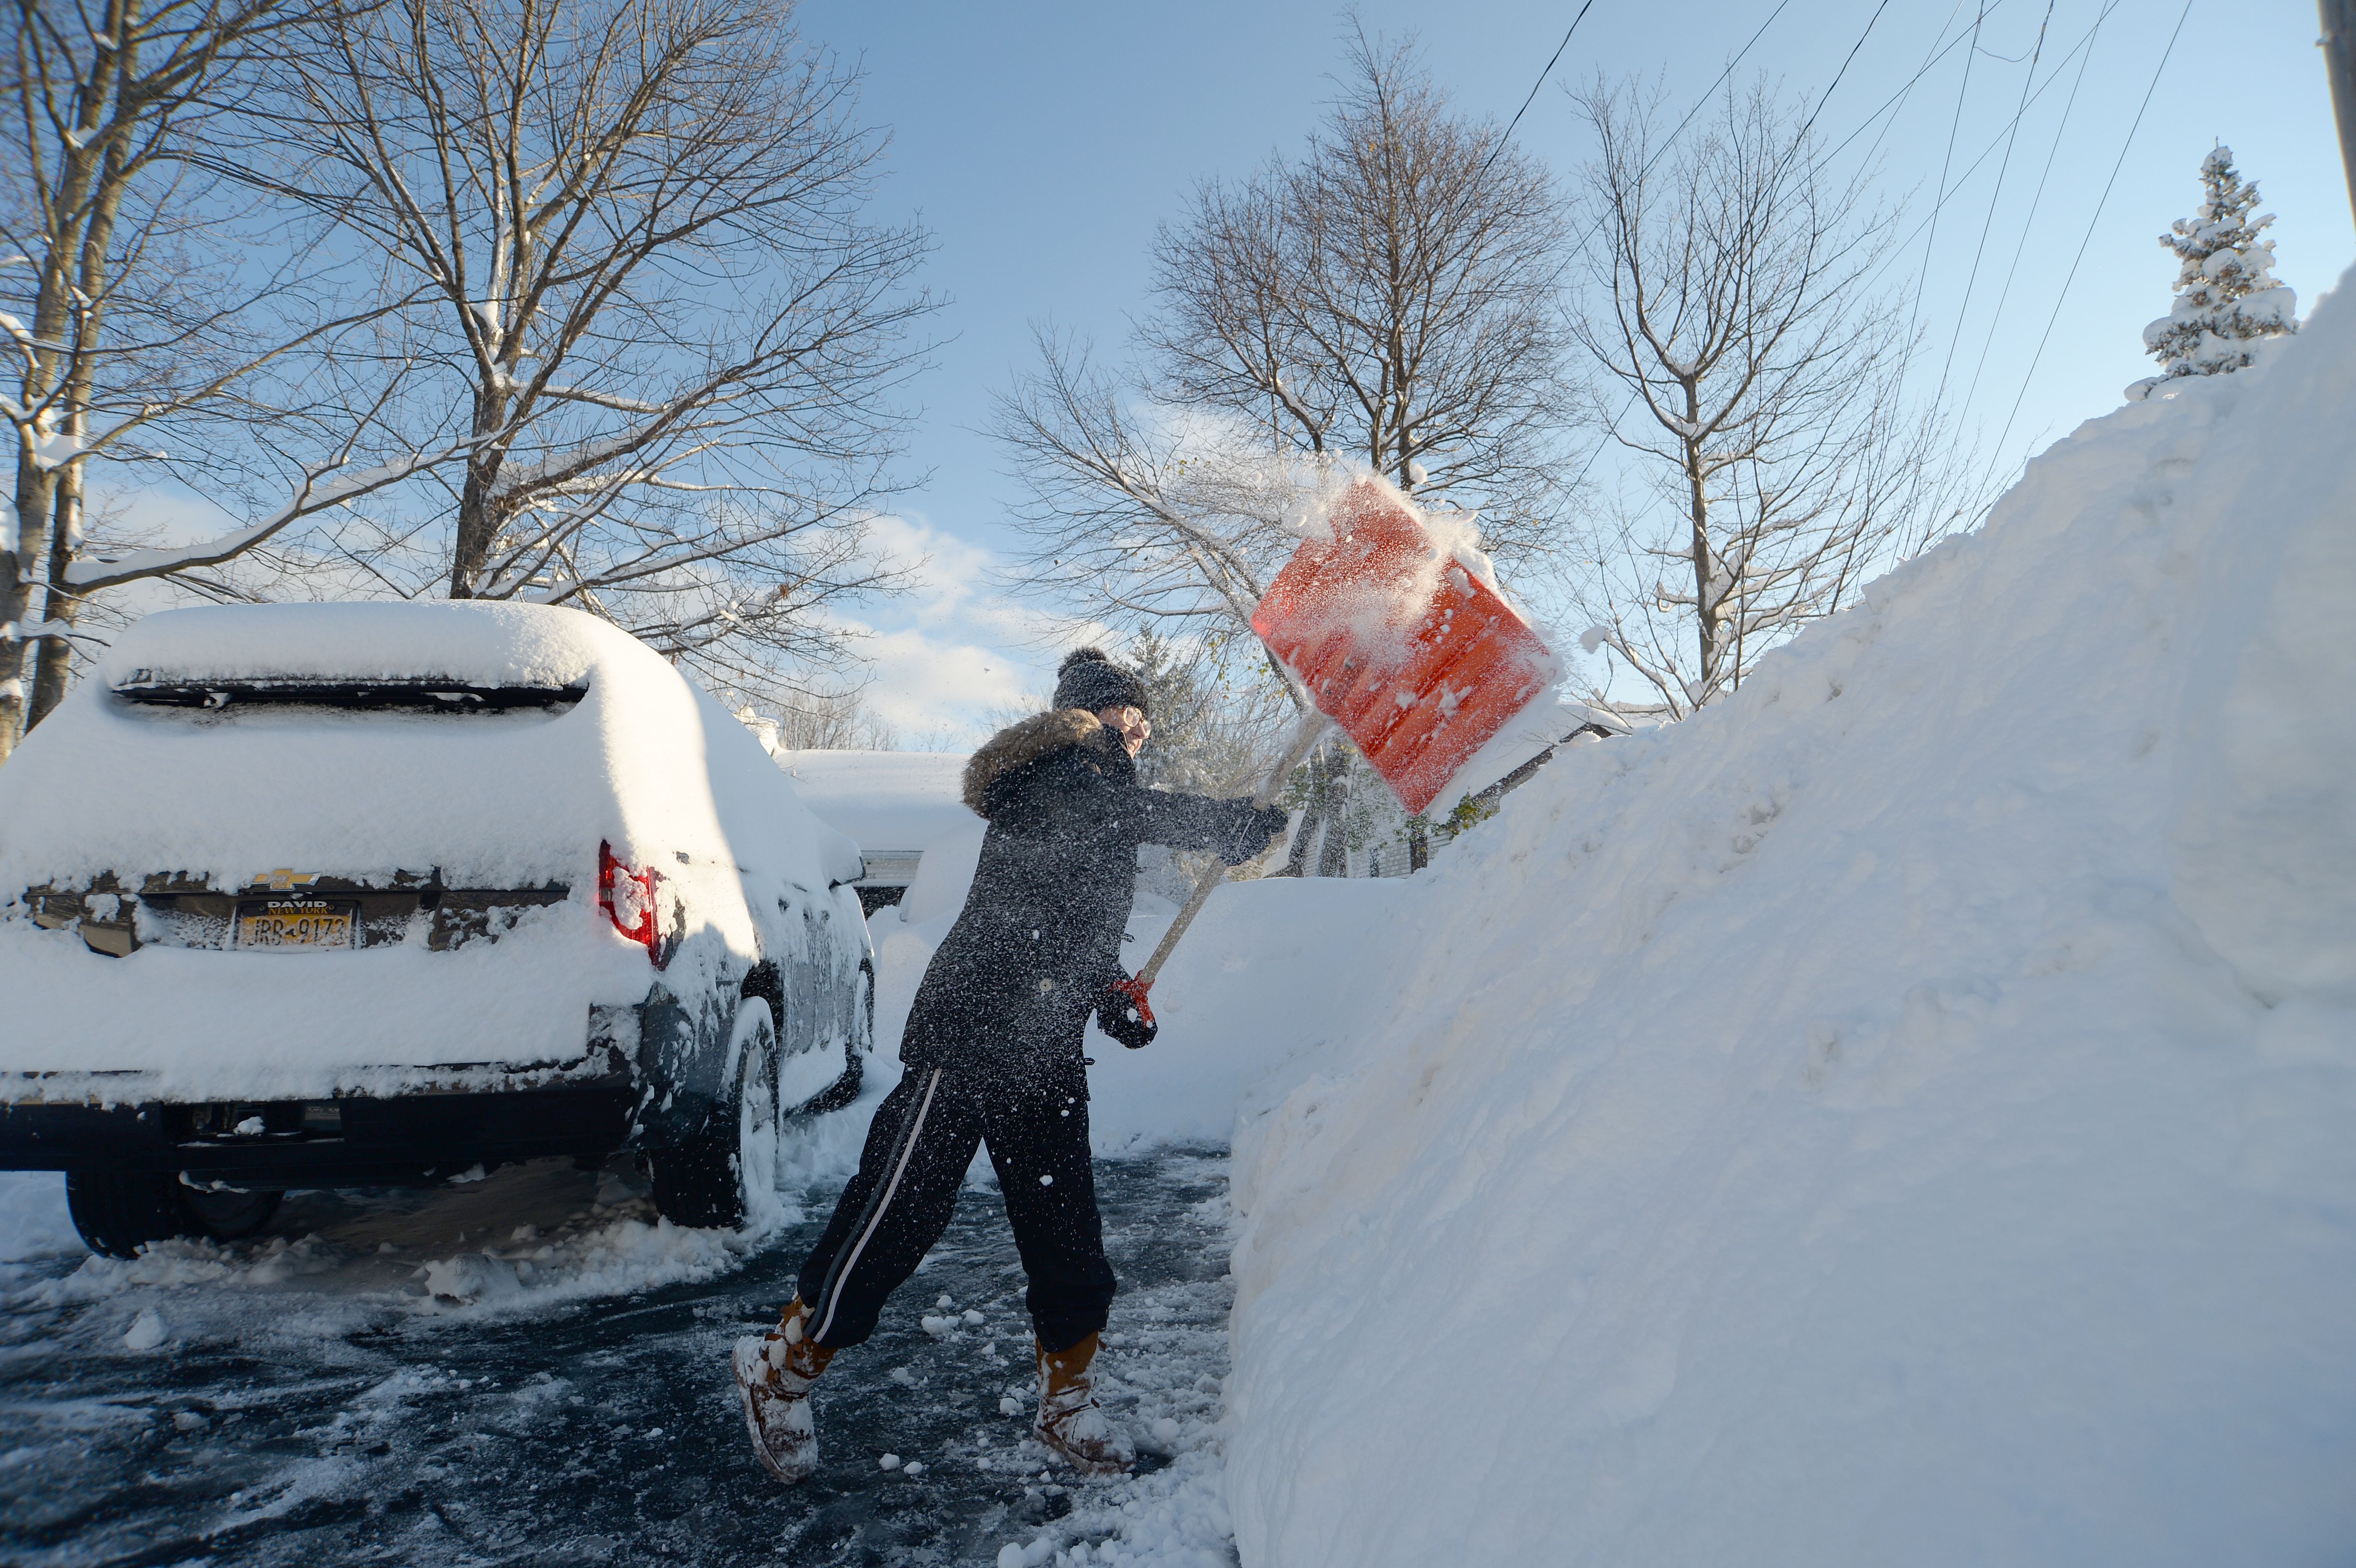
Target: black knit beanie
1087	678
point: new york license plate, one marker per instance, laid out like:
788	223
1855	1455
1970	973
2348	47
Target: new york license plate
294	922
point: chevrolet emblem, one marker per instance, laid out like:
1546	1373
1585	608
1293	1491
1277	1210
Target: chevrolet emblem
282	881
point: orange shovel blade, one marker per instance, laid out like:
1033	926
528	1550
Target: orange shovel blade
1417	658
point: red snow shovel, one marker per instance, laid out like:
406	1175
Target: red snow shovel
1417	658
1403	645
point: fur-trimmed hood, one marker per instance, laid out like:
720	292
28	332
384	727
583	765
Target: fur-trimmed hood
1027	742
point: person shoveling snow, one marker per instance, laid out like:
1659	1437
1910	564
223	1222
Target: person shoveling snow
993	1056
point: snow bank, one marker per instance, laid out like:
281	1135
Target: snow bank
1900	1114
1230	1006
1227	1000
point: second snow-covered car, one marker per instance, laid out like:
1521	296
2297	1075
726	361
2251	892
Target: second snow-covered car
360	894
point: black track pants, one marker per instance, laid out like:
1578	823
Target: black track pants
917	1149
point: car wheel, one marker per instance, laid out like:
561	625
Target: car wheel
760	1126
844	1090
703	1182
118	1213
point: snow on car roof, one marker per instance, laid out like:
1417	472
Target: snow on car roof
645	761
885	800
475	641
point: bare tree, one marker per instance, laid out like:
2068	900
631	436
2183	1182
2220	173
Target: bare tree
1142	516
652	314
141	329
1728	295
1385	299
1388	297
832	720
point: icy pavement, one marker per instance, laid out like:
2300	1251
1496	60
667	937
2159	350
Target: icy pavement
307	1398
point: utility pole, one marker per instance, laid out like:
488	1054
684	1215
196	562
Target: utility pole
2339	64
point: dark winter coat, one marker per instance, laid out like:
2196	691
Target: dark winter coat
1039	939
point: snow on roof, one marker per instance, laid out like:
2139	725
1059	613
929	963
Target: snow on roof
477	642
886	801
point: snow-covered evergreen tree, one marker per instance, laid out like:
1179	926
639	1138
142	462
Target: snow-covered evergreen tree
2227	296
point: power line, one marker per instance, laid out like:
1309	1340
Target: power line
2088	239
1845	62
1609	431
1942	52
2029	223
1994	194
1516	120
1973	167
1940	202
1700	104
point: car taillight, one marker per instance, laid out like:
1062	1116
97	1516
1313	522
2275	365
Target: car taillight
627	896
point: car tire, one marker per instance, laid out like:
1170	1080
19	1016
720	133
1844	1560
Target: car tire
703	1182
118	1213
844	1090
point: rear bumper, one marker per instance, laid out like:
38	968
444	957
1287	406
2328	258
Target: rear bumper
393	1140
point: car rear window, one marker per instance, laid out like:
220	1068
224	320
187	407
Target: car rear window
422	695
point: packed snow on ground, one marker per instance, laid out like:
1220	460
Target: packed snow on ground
1899	1115
522	1239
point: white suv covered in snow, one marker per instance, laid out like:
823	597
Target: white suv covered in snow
373	894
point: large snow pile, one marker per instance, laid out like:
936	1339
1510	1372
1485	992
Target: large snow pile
1904	1114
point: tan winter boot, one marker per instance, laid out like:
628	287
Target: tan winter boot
1069	1421
774	1373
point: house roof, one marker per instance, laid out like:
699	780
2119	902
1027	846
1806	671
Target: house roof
888	801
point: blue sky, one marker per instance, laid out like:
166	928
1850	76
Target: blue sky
1042	143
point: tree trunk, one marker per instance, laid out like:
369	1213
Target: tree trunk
2339	17
13	597
1296	854
111	177
1697	502
1333	848
59	603
36	493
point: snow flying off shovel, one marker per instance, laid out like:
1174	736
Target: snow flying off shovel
1399	643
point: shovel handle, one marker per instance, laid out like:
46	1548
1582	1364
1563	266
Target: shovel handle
1312	727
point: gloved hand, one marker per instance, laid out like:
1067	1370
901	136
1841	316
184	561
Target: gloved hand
1273	821
1123	1015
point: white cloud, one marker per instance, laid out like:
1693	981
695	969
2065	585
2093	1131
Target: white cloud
953	650
942	658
